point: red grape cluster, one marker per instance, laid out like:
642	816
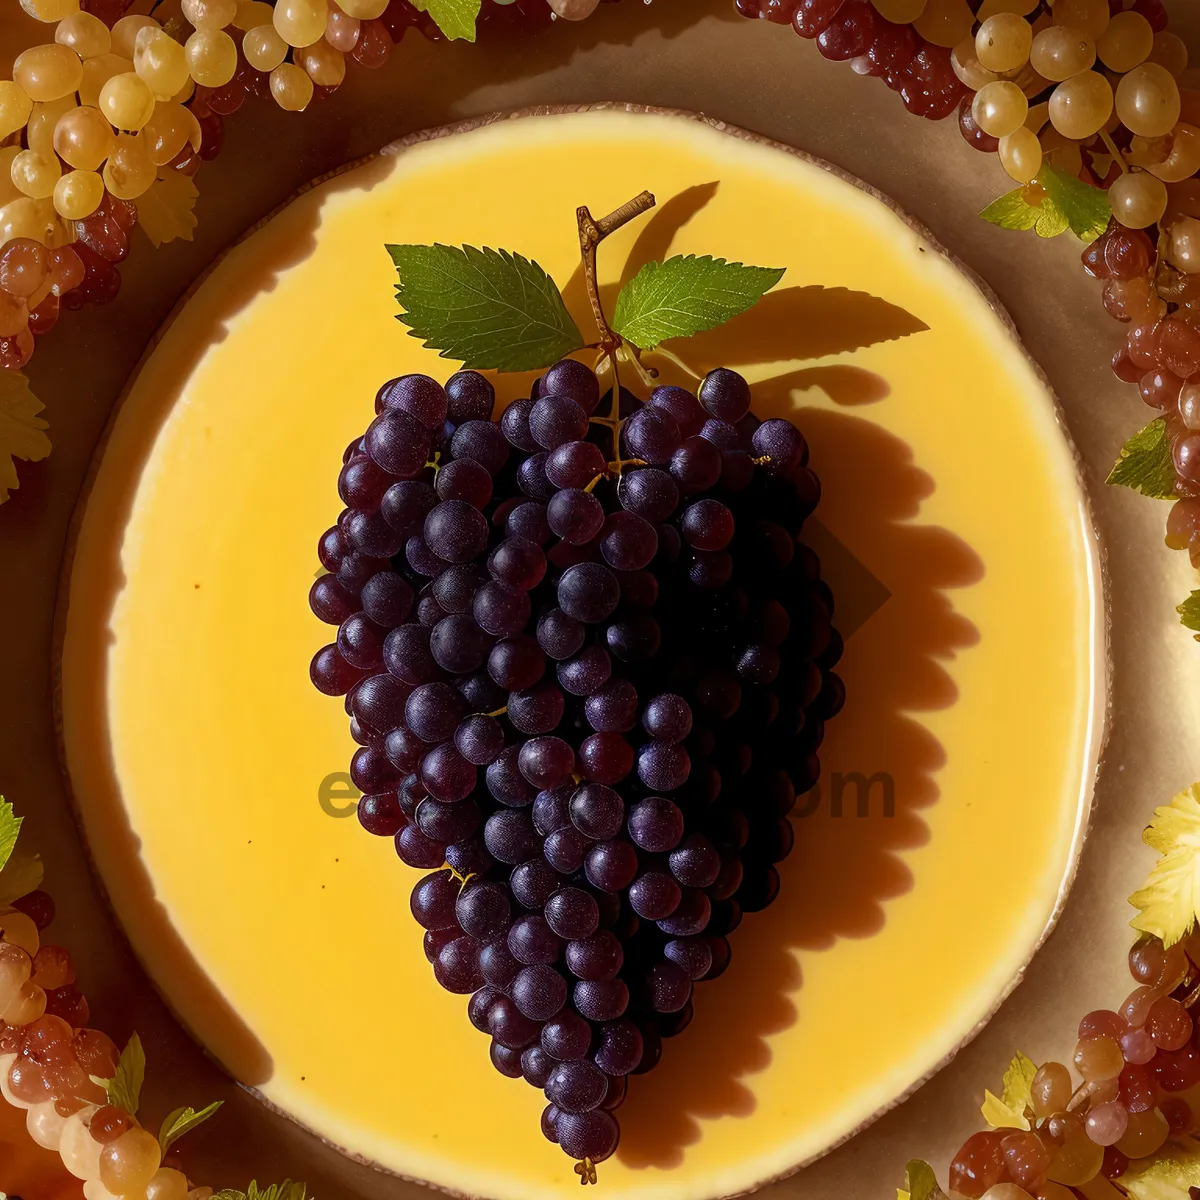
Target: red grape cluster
852	30
1134	1064
589	679
1161	355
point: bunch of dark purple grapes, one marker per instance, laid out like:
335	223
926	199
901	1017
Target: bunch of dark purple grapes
590	680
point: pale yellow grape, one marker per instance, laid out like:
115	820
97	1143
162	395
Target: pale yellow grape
48	72
1037	116
97	72
944	22
185	93
1184	245
8	190
966	65
1080	105
368	10
39	132
85	34
1126	42
1003	42
1021	154
301	22
1088	16
127	101
989	8
1172	158
1138	199
78	194
899	11
342	32
326	66
129	171
80	1151
44	1125
83	138
251	13
15	108
1060	52
1170	51
999	108
50	10
212	57
264	48
167	1184
1148	100
27	218
125	31
168	131
160	60
35	174
1067	157
210	14
291	87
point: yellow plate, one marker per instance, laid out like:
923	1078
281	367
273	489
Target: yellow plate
196	747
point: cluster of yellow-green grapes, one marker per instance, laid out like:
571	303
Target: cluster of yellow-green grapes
90	120
49	1062
1091	89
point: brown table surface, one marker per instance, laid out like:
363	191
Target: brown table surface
698	55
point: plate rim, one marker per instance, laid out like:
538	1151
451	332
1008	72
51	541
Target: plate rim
1100	657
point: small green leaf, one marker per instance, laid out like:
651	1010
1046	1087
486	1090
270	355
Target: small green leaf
455	18
1008	1110
1189	613
489	309
10	827
687	295
1145	463
125	1087
1012	211
1087	209
1052	220
920	1183
22	874
287	1190
184	1120
228	1194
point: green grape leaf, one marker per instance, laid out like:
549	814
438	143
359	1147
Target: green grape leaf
287	1190
228	1194
920	1183
1170	1174
489	309
1189	615
1145	464
184	1120
687	295
1008	1112
1052	220
10	827
22	431
1012	211
125	1087
1087	209
1168	903
21	875
455	18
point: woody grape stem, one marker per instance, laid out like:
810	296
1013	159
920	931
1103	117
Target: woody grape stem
591	233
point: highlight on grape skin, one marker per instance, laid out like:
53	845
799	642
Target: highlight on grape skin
587	684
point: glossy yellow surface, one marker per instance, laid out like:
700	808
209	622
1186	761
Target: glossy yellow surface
197	748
